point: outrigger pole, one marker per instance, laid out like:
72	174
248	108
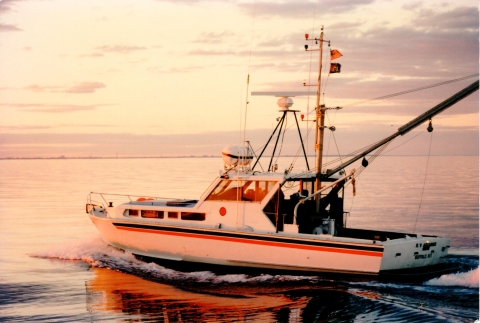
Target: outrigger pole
428	115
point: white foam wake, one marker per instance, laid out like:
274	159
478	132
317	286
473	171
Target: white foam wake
98	254
467	279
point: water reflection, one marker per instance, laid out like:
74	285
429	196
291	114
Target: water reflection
126	294
130	298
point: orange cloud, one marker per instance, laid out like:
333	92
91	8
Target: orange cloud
120	49
5	27
51	108
82	87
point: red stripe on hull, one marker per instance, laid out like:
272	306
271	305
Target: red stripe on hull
259	242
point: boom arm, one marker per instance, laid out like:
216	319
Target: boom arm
411	125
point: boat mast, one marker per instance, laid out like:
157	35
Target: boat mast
319	122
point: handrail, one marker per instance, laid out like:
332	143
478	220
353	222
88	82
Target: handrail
130	196
318	192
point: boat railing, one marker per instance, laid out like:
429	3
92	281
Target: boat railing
106	200
352	172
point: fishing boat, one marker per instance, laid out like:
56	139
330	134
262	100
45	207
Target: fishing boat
245	218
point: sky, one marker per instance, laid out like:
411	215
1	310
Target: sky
152	78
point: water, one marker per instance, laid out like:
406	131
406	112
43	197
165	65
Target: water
55	268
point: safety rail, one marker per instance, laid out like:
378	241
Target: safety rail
104	201
352	172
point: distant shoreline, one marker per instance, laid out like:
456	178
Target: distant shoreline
204	156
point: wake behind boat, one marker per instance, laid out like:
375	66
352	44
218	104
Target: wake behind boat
245	218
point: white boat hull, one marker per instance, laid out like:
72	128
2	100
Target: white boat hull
274	251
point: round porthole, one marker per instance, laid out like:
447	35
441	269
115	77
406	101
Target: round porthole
223	211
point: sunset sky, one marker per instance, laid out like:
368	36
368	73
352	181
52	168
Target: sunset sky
166	78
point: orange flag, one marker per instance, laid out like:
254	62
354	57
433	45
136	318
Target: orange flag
334	54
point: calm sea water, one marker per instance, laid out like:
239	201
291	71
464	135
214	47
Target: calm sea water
55	268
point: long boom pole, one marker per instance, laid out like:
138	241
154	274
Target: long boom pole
412	124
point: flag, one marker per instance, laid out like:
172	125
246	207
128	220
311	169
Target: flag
335	68
334	54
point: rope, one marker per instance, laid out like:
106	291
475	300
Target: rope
405	142
283	138
327	60
332	134
372	158
424	181
310	70
248	74
412	90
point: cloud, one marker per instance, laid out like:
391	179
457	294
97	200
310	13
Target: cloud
191	2
52	108
22	128
203	52
92	55
457	18
379	60
120	49
84	87
7	5
213	37
8	28
174	70
42	88
294	9
79	88
447	141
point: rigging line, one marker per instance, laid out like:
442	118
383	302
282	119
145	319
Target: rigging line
328	60
424	182
298	152
325	81
405	142
356	152
412	90
248	72
254	154
329	137
332	135
338	150
377	153
372	158
283	138
310	69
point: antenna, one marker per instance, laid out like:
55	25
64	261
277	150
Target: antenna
285	102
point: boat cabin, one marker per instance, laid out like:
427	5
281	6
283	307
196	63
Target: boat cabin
247	201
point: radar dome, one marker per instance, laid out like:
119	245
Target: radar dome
236	156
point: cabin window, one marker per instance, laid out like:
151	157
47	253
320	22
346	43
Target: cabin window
132	212
193	216
152	214
173	215
240	190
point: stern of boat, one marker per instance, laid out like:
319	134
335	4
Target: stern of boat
414	252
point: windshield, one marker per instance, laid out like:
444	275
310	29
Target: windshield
241	190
